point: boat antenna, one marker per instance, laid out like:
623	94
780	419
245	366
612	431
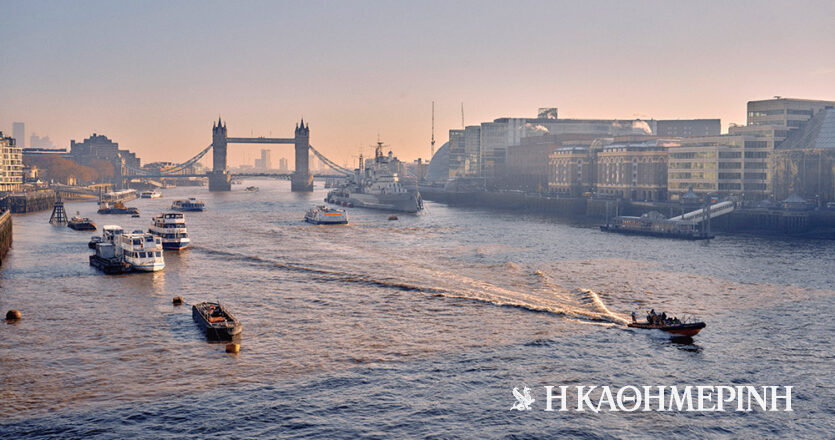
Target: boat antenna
432	143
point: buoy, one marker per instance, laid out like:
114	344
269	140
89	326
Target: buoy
177	301
13	315
233	348
392	217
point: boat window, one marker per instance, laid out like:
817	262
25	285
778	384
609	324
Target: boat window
142	255
158	254
137	242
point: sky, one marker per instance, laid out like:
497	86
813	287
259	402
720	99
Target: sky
154	75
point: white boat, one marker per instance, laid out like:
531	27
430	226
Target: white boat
141	250
151	194
322	215
171	228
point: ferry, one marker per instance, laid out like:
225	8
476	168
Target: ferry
108	235
216	321
171	228
322	215
191	204
141	250
150	194
81	224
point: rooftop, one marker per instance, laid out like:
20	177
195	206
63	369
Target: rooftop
818	132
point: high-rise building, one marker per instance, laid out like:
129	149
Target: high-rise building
264	162
19	133
11	164
282	165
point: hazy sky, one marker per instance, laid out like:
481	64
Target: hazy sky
153	75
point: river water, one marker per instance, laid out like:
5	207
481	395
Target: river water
418	327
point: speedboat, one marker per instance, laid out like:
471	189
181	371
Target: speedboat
670	325
322	215
171	228
191	204
141	250
150	194
216	321
81	224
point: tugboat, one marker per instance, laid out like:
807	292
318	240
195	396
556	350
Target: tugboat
216	321
322	215
171	228
669	325
191	204
116	208
81	224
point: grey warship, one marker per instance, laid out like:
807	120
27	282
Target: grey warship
376	184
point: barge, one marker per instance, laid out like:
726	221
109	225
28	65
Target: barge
216	321
654	224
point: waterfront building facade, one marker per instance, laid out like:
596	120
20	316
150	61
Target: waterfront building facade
100	148
722	165
11	164
634	170
570	170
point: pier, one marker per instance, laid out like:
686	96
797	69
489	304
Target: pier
21	203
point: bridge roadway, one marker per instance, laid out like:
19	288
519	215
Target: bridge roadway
234	175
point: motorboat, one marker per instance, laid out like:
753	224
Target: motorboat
673	326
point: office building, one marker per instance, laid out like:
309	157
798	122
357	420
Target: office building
19	133
688	127
11	164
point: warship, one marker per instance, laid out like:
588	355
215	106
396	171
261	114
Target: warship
376	184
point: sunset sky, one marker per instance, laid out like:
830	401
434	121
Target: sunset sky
153	75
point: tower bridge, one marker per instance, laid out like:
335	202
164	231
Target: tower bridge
220	179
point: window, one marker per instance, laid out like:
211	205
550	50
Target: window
756	154
730	154
729	176
729	165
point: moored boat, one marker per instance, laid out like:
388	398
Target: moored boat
322	215
216	321
191	204
116	208
81	224
141	250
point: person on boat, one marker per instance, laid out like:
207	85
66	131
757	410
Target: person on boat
634	319
663	318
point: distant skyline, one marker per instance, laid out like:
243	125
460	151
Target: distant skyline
154	75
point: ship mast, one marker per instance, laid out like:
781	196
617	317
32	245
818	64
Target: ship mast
432	143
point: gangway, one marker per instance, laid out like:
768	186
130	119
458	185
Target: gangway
716	210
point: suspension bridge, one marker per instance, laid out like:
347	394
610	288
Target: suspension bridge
220	178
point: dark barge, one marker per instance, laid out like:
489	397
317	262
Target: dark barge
216	321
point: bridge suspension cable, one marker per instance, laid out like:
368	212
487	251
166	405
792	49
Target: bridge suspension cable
178	167
330	163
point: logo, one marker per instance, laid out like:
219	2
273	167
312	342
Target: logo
523	399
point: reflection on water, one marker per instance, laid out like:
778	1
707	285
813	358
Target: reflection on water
475	300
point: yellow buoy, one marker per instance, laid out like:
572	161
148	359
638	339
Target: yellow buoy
13	315
233	348
177	301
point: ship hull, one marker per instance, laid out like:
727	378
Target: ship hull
689	330
401	202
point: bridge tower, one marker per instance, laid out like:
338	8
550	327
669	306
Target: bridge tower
219	179
302	179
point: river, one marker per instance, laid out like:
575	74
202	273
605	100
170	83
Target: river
417	327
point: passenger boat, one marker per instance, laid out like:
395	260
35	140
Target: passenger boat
81	224
322	215
116	208
171	228
673	326
216	321
150	194
141	250
191	204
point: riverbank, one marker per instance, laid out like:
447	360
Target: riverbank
5	234
806	224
